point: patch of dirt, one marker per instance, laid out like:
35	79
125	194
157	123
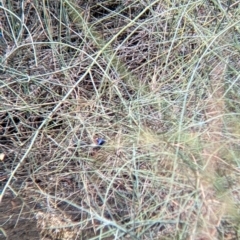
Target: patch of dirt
16	221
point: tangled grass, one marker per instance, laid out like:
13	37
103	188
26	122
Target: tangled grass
158	81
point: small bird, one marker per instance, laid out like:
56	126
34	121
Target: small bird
97	143
100	141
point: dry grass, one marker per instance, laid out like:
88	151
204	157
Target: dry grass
158	81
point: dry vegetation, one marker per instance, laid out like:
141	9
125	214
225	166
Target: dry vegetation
158	81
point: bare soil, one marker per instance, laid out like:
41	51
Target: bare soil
16	221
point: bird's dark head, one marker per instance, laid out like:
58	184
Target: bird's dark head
100	141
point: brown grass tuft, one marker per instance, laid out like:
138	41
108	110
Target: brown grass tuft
158	81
